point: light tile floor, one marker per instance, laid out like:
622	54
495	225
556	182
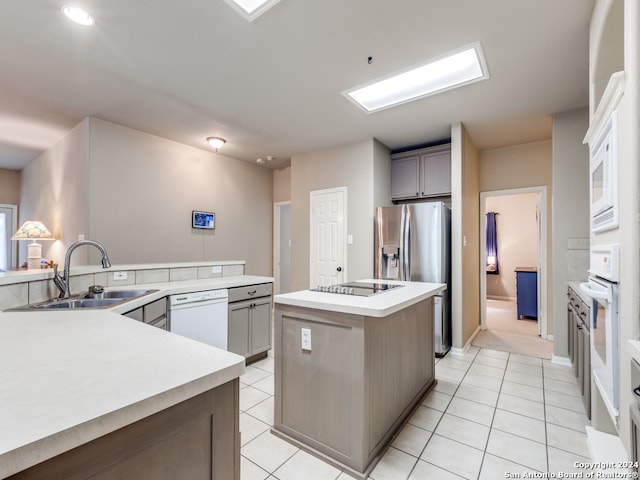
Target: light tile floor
491	413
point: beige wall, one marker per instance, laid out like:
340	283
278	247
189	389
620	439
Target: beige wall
570	210
523	166
9	187
134	193
517	229
465	237
381	175
350	166
143	189
282	185
55	189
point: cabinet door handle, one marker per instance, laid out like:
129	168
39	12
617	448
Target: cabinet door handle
637	391
252	293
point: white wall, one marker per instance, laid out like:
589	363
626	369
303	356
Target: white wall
55	189
143	189
517	229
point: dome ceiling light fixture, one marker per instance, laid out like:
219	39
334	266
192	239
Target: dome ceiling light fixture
263	160
78	15
216	142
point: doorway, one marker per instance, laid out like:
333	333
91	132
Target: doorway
8	226
282	247
522	239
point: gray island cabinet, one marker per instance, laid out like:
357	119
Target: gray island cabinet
350	370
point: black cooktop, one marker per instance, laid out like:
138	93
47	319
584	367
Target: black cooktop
362	289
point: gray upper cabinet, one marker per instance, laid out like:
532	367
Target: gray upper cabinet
421	173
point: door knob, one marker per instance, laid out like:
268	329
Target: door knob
339	269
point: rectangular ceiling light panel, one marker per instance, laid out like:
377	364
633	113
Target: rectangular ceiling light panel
455	69
251	9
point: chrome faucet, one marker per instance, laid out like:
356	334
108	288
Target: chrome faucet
62	281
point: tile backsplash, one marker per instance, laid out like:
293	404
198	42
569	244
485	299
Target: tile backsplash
24	292
577	259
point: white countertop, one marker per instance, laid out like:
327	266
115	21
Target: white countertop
379	305
575	286
70	377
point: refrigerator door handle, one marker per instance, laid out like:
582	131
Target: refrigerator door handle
406	236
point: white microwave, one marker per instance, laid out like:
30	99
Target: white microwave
603	177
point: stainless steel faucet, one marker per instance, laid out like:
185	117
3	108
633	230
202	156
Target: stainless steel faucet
62	282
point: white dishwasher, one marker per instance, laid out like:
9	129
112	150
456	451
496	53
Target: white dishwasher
201	316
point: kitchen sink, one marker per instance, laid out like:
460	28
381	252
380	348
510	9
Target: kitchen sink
76	303
105	299
118	294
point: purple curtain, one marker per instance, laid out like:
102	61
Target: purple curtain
492	244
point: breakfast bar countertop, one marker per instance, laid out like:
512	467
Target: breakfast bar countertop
378	305
69	377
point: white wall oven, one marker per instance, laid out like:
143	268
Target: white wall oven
602	287
603	179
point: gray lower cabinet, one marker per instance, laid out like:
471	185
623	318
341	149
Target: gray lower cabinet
421	173
154	314
250	320
579	345
198	439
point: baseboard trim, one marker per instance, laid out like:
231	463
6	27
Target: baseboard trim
560	360
503	299
459	352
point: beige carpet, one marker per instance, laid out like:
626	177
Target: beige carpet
508	334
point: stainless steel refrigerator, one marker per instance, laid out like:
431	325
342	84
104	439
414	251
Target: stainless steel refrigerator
413	243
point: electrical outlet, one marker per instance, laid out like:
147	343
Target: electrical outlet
305	333
119	275
216	269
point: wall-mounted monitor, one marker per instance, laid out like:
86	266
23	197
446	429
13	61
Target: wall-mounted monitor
203	219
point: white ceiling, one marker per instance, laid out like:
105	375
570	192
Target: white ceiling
189	69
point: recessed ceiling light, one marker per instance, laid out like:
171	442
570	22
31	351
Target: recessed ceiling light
452	70
251	9
216	142
78	15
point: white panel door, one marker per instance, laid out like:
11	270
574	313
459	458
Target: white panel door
327	237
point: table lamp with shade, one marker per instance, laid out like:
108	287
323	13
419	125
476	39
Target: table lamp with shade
33	230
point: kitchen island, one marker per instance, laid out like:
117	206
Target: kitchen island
94	394
350	370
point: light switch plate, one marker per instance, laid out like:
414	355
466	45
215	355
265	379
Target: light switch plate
305	334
